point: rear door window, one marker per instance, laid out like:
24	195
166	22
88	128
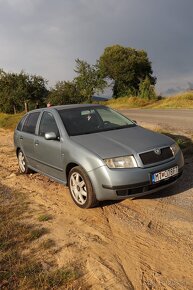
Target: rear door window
30	123
20	125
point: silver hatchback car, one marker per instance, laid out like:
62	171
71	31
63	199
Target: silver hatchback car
97	152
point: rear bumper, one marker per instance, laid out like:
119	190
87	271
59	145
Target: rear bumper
116	184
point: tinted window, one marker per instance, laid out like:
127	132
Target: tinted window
30	123
48	124
20	125
79	121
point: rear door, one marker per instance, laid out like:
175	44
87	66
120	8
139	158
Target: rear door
49	152
27	137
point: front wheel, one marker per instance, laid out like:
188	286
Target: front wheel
81	188
23	167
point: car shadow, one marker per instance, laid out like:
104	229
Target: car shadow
185	143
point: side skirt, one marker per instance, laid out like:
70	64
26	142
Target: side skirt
45	174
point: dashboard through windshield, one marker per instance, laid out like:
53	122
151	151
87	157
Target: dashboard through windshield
88	120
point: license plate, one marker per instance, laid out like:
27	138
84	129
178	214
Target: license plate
165	174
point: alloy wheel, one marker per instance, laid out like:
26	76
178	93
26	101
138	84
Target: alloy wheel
21	160
78	188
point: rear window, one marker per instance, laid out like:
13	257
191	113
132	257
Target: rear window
30	123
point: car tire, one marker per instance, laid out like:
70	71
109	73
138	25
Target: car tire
23	166
81	189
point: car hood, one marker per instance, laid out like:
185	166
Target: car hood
128	141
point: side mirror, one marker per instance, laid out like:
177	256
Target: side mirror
50	136
134	121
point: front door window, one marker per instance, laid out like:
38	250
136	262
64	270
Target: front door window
48	124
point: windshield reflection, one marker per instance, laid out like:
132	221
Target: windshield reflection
84	120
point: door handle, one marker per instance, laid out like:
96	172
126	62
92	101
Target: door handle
21	137
36	142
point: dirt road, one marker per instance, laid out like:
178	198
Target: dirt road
173	119
145	243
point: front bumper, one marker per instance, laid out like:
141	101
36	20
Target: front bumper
116	184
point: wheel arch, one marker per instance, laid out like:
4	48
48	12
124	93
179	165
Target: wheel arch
69	167
17	151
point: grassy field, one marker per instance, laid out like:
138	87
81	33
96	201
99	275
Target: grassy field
179	101
9	121
125	102
23	253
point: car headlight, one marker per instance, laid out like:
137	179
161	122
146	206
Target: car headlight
121	162
175	148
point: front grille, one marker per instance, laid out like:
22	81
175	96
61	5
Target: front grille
141	189
151	157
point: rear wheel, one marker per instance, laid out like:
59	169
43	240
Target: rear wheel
23	167
81	188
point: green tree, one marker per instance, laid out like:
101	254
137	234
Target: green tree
37	90
89	79
146	90
65	93
125	67
16	90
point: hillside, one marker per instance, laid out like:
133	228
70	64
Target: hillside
181	100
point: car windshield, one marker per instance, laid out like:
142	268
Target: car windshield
88	120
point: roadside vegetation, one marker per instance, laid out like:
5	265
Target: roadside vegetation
179	101
9	121
25	259
128	103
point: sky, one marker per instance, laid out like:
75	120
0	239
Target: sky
44	37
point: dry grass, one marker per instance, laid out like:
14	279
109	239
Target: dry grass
9	121
47	244
45	217
128	102
18	269
181	100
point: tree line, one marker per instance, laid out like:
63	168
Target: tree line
127	71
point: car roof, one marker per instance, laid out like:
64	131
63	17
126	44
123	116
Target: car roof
64	107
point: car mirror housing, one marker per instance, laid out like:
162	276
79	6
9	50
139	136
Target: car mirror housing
50	136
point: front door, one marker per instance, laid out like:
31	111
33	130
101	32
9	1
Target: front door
49	152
